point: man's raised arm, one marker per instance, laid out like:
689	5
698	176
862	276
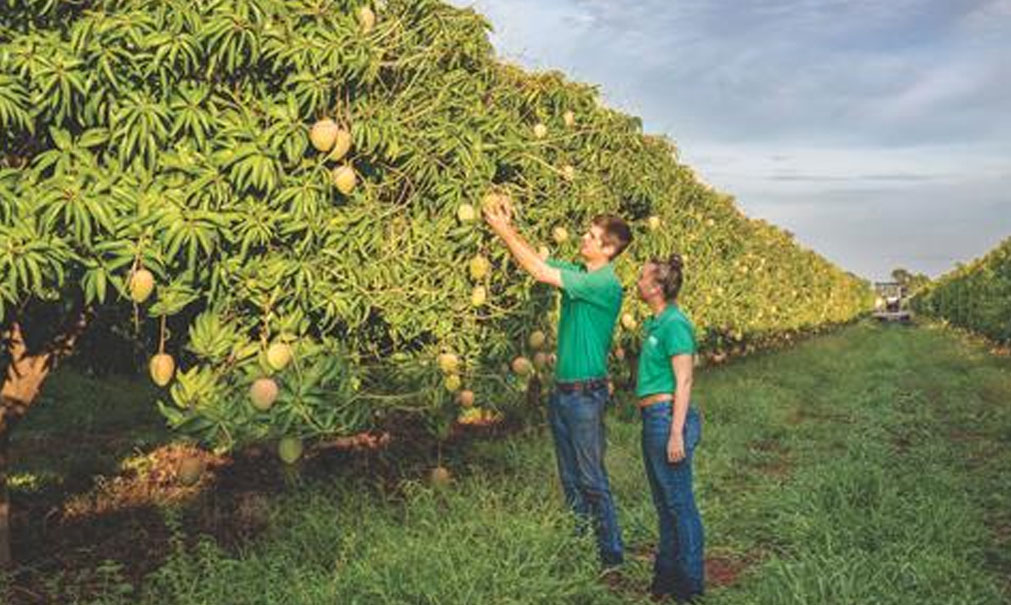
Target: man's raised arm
498	215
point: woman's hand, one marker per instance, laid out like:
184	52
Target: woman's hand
675	447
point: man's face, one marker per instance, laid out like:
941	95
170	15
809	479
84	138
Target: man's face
647	284
593	244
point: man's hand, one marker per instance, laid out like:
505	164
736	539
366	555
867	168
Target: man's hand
498	213
675	448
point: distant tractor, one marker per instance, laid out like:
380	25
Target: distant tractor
892	303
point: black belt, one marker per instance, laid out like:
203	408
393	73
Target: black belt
581	386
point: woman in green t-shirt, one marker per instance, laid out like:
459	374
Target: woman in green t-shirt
671	429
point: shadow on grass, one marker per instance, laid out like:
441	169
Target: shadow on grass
96	493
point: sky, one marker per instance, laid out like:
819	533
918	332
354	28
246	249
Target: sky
877	131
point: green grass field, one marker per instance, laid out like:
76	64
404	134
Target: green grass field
872	465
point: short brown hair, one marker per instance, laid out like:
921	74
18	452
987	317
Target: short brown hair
616	232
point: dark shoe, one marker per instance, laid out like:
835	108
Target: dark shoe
660	591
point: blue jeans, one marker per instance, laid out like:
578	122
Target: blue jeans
678	568
577	426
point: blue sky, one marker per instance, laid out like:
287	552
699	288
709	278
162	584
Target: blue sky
878	131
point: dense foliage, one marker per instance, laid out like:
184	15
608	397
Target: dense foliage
170	139
976	296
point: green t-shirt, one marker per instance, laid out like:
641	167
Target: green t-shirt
669	334
590	306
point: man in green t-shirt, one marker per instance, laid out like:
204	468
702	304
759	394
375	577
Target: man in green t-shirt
591	301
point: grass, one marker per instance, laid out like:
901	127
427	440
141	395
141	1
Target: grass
867	466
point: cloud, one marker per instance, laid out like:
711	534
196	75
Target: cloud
987	17
834	71
856	107
924	229
820	178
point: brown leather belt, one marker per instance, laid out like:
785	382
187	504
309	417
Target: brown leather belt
581	386
655	398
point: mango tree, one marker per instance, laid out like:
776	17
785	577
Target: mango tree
975	296
288	194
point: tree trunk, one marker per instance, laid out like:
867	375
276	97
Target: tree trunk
534	391
11	411
26	371
5	506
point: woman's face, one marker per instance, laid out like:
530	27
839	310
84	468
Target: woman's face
647	284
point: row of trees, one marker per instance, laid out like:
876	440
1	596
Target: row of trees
286	194
976	296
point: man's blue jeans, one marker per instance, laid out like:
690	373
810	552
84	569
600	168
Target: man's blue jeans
577	425
679	567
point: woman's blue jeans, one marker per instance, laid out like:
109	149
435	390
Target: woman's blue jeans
577	426
678	568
